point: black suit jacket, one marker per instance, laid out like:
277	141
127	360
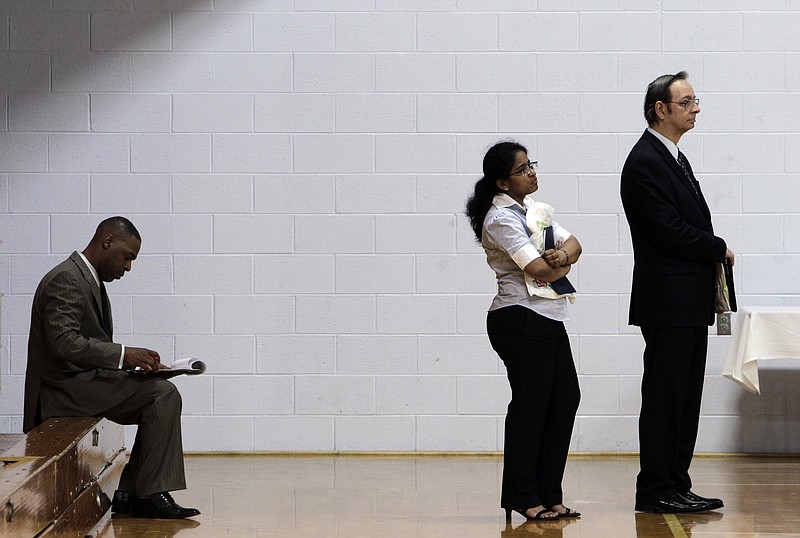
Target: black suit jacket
73	365
674	247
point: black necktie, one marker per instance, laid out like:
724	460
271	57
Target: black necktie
106	311
688	173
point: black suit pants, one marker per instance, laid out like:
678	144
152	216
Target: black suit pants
544	401
672	390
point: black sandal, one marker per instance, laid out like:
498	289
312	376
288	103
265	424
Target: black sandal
569	513
538	517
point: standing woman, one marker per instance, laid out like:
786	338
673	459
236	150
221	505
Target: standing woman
527	332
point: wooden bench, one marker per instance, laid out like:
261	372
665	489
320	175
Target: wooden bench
58	480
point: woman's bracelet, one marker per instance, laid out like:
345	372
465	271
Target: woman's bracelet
565	254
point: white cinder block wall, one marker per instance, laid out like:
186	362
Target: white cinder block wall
298	170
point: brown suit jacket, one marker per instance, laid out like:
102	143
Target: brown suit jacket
73	366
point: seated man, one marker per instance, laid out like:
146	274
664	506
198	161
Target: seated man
75	369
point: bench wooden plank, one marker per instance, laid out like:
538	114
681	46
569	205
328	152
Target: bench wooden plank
43	474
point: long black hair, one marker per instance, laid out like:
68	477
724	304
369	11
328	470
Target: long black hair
497	164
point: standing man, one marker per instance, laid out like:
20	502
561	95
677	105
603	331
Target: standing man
75	369
675	252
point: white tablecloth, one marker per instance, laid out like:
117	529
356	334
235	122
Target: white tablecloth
762	333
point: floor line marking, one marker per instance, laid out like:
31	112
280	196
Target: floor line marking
675	526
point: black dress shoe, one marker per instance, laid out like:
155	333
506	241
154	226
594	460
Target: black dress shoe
713	503
674	505
161	506
122	502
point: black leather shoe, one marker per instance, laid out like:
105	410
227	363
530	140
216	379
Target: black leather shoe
713	503
161	506
122	502
674	505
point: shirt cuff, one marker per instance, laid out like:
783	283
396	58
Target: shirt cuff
525	255
121	356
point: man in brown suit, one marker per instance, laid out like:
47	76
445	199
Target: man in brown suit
75	369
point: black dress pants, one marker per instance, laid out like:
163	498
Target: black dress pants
672	390
544	401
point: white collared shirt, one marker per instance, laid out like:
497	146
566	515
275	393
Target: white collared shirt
97	281
506	241
669	144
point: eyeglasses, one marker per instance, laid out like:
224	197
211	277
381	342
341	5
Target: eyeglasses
526	169
686	103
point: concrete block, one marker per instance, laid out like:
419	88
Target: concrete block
212	193
23	272
334	395
211	31
375	274
122	30
768	113
224	354
506	72
414	234
581	71
377	113
173	314
293	32
456	32
344	153
415	395
174	153
415	314
130	193
598	234
717	75
25	234
292	434
294	274
607	434
443	193
110	72
462	433
266	395
375	433
296	354
248	153
723	153
251	72
605	273
124	113
599	395
252	234
334	314
213	275
70	232
295	113
48	30
432	72
446	113
539	112
594	314
376	32
334	234
294	194
620	31
552	32
176	234
456	354
425	153
150	275
615	354
23	152
738	230
213	113
596	116
471	312
483	394
370	194
48	193
337	73
171	72
197	395
49	112
376	354
453	273
231	434
253	314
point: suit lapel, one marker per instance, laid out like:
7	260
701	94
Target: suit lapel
99	305
673	165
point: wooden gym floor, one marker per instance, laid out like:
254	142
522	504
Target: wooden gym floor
357	496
